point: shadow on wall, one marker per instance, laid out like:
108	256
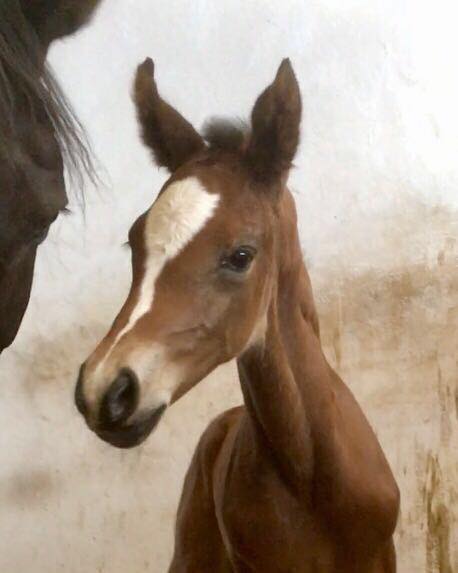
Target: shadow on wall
391	333
26	489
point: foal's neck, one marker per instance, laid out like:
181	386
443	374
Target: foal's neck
285	378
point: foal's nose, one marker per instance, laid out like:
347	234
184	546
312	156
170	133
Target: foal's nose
120	400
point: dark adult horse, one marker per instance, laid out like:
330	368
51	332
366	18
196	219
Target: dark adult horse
38	136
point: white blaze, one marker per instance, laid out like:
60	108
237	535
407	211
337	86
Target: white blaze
173	221
175	218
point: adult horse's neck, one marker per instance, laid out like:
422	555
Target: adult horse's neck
285	377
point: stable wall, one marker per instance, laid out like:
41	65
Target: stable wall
376	187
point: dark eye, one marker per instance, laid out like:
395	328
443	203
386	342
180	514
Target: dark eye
239	260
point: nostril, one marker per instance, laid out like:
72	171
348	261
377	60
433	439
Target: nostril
121	399
79	396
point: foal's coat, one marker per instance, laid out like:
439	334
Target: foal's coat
294	480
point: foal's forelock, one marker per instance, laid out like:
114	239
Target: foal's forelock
177	216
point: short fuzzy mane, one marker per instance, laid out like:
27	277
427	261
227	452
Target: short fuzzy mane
224	134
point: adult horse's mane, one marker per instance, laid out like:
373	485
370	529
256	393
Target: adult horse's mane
25	79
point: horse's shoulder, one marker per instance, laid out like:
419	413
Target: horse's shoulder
214	435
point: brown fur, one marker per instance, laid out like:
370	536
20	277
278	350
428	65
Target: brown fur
294	480
275	124
170	137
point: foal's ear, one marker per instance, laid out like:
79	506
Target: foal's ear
171	138
275	122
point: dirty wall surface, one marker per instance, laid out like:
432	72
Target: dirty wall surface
376	187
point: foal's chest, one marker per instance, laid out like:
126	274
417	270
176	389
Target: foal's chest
264	527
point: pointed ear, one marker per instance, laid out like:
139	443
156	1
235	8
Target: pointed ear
275	122
171	138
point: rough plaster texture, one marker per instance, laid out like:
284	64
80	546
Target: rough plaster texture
376	187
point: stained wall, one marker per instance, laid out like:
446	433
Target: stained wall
376	187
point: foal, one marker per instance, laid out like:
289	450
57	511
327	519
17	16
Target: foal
294	480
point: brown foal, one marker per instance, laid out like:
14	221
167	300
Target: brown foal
295	479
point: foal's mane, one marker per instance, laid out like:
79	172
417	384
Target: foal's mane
25	77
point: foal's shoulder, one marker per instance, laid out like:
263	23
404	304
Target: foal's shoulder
215	433
218	428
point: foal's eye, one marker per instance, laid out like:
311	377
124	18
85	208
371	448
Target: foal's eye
239	260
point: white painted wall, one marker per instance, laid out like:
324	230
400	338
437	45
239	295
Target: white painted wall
376	184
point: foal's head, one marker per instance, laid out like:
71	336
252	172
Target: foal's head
204	258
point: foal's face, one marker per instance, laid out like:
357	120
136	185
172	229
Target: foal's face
201	273
203	266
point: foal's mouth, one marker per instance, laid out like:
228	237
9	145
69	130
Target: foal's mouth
134	433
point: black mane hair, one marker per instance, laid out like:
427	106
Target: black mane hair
25	77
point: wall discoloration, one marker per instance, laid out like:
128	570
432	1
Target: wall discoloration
438	554
390	331
28	489
376	183
397	349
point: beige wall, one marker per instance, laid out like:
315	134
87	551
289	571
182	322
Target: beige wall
376	183
393	337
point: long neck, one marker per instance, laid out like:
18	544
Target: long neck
285	376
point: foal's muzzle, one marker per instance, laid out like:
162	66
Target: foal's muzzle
120	401
114	422
134	433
